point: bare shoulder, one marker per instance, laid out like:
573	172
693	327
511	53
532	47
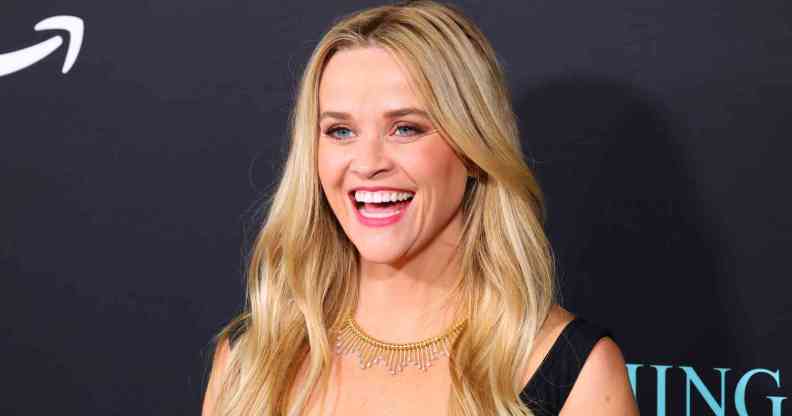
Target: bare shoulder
557	320
219	364
602	387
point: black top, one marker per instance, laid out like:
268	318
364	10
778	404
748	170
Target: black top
548	388
552	381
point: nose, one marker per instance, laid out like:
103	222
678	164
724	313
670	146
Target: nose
370	157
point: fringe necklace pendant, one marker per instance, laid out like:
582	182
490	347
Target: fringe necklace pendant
350	338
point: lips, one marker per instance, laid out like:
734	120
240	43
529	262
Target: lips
378	214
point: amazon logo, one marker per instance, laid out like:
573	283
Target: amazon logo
18	60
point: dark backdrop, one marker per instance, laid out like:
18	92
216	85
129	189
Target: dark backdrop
659	131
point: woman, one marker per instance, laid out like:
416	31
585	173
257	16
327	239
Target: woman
403	267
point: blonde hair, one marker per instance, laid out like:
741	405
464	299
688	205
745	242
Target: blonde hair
301	277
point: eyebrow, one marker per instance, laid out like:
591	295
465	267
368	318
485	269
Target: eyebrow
400	112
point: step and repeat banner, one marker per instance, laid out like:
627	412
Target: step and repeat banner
139	139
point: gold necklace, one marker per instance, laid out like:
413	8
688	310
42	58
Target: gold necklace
394	357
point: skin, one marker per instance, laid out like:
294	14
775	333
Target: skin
407	269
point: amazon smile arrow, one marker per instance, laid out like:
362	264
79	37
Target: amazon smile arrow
14	61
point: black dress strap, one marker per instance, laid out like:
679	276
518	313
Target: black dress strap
550	385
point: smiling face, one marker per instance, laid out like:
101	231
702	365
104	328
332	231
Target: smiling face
376	142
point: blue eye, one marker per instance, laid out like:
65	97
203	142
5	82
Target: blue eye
340	132
413	129
332	132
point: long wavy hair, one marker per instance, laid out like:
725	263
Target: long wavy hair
302	269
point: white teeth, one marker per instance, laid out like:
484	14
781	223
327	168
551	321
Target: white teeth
381	196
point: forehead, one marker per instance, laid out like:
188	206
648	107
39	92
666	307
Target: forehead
365	78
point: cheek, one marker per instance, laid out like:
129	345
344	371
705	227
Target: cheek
328	167
438	165
331	167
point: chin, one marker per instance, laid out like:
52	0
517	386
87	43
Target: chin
387	256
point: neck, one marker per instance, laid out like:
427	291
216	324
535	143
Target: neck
409	302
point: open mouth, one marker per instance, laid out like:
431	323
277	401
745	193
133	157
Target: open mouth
380	205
